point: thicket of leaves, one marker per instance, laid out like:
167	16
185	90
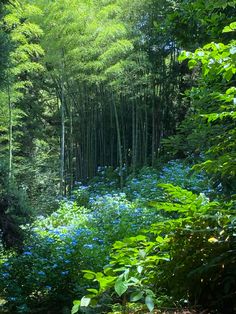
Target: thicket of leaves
213	100
189	255
15	211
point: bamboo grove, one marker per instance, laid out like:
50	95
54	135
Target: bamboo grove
100	84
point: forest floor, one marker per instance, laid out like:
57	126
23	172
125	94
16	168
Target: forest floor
171	311
184	311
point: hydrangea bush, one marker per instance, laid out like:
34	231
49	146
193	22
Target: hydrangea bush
80	234
144	186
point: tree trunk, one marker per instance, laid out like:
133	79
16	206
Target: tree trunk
62	155
10	126
118	143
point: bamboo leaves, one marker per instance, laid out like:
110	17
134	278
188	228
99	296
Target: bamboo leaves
23	56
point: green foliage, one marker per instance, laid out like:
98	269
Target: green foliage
14	212
74	238
144	185
204	21
98	83
126	273
22	62
213	121
230	28
185	255
48	268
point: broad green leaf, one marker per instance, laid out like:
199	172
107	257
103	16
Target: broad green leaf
140	269
184	55
149	303
230	28
192	63
95	291
85	301
120	287
89	276
228	74
76	306
231	90
135	296
108	270
118	244
134	280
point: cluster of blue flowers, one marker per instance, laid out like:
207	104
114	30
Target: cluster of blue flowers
75	238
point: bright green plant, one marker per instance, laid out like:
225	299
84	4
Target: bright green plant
24	53
179	255
214	103
130	273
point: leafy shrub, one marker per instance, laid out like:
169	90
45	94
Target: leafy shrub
106	180
81	194
114	217
45	274
188	255
70	239
145	186
14	211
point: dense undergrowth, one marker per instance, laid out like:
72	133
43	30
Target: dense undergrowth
116	249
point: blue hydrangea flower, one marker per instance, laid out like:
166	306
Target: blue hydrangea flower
12	298
89	246
74	242
48	287
5	275
27	253
6	264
